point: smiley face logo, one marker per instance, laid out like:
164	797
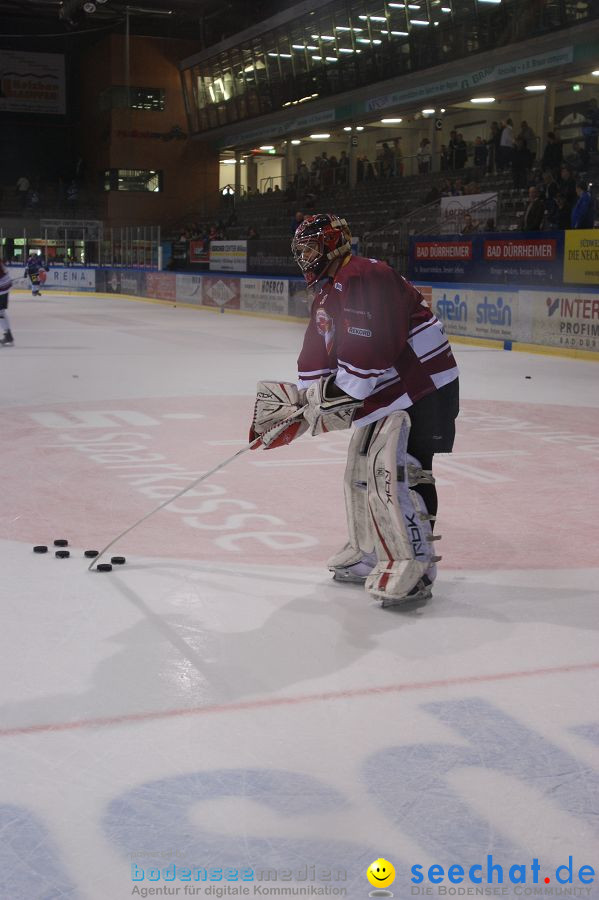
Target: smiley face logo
381	873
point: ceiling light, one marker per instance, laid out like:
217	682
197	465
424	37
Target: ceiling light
359	128
320	137
345	50
89	7
419	22
267	147
427	112
535	87
595	73
332	58
391	121
347	128
483	100
296	142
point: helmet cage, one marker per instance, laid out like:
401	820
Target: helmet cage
317	241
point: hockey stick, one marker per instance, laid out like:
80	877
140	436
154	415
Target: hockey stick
189	487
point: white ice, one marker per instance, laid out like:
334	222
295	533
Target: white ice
218	701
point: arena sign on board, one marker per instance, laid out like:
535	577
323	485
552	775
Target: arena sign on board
488	258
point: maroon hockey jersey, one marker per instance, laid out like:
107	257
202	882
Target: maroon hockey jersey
371	327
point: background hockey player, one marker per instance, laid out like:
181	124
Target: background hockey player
5	285
35	270
376	357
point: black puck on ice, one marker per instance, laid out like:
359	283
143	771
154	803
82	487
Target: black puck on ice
62	554
40	548
91	554
103	567
118	560
61	542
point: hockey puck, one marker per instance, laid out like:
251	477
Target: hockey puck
40	548
91	554
61	542
118	560
103	567
62	554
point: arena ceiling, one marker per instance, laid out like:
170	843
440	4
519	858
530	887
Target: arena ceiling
207	21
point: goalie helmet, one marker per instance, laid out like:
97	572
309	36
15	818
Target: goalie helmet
318	240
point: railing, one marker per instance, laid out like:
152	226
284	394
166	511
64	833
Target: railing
73	242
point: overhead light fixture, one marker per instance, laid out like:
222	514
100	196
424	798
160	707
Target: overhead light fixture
419	22
345	50
577	87
595	73
483	100
89	7
359	128
391	121
427	112
320	137
267	147
295	142
347	128
535	87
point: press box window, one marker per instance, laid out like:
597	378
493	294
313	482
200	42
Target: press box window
153	99
140	180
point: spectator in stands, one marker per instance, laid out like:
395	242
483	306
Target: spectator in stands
398	153
470	225
489	225
553	154
534	212
458	188
549	189
252	234
343	169
506	146
22	189
521	163
452	147
583	214
386	161
567	184
560	215
493	146
481	153
590	129
445	160
461	152
579	159
423	155
432	196
529	138
297	220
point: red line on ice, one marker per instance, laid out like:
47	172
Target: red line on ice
272	702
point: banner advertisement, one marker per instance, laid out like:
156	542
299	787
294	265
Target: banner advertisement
71	279
267	295
161	285
454	209
221	292
581	256
563	318
228	256
266	257
189	289
488	258
300	299
32	82
489	314
199	252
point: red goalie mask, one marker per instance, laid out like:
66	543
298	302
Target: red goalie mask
317	242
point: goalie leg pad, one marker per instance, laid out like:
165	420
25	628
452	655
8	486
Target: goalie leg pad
402	531
361	541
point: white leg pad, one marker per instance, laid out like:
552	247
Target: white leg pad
402	532
361	541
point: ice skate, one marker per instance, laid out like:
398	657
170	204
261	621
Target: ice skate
7	340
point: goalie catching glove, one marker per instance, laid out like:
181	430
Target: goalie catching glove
327	408
278	418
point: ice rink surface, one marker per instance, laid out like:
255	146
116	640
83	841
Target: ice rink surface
219	702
